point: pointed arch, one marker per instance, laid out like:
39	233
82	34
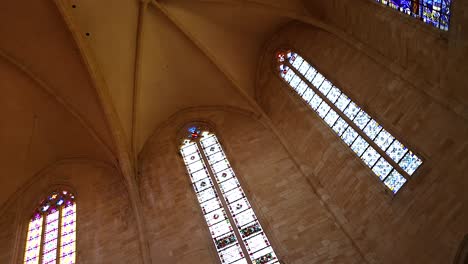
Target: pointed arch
235	229
51	234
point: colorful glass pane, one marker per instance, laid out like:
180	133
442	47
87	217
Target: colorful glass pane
237	203
33	240
433	12
215	215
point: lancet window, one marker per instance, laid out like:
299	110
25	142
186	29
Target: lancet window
235	229
433	12
385	155
51	236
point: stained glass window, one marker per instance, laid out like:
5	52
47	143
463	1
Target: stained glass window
387	157
52	231
236	232
433	12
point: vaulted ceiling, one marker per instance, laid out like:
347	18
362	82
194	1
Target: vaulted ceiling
152	58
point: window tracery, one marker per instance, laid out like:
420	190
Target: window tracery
236	232
387	157
51	235
433	12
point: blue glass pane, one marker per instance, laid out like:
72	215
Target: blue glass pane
340	126
370	157
333	95
349	136
359	146
394	181
308	94
410	163
396	151
362	119
382	168
315	102
351	111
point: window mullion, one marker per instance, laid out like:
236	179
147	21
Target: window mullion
349	121
224	203
41	245
59	235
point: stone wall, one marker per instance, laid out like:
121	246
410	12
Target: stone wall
296	222
426	220
106	231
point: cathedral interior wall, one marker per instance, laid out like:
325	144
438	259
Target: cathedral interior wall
105	221
425	221
297	224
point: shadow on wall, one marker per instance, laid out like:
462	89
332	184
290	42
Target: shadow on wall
462	253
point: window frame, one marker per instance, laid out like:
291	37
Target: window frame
265	225
26	217
344	89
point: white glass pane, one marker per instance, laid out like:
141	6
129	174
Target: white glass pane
196	166
310	74
349	136
220	228
359	146
206	195
224	175
257	242
301	88
189	149
396	151
334	94
194	157
361	119
229	185
213	158
395	181
289	75
241	261
220	166
297	62
318	80
295	81
372	129
211	149
351	111
340	126
239	206
210	205
410	163
308	95
382	168
202	185
323	109
342	102
331	117
384	139
325	87
304	68
315	102
231	254
245	217
370	157
215	216
234	195
199	175
208	141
